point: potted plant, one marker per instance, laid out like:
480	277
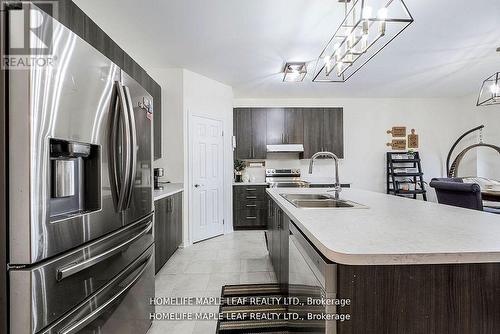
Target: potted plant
411	154
239	166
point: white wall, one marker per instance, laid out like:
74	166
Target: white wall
488	161
172	160
437	121
209	98
186	93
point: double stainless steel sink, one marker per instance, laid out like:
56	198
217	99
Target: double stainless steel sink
319	201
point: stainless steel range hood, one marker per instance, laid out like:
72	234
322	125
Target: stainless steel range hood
285	148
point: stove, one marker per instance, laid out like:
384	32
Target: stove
285	178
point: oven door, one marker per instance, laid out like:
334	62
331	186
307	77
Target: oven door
42	294
121	306
309	277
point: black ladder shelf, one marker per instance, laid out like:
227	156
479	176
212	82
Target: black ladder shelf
398	164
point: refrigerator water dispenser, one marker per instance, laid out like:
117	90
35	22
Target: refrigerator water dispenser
75	179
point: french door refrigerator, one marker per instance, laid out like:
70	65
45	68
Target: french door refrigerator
80	228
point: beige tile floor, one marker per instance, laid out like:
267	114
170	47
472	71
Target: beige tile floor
202	269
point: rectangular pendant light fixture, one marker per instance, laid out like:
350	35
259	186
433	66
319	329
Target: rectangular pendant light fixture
295	72
367	28
490	91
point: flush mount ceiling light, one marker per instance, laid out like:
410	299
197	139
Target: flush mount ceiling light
490	90
294	72
367	28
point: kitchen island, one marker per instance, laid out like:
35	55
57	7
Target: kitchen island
408	266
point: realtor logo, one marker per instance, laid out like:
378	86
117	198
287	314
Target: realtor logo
30	33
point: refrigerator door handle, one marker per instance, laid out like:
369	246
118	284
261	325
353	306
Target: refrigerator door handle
133	145
126	147
74	268
119	115
76	326
112	143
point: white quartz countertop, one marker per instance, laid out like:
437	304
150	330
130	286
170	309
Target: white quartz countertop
395	230
249	184
169	189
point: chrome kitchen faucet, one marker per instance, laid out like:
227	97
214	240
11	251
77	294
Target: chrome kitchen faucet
337	187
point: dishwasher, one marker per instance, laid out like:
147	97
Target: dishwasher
311	277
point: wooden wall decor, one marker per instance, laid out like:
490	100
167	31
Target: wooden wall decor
397	144
397	131
413	139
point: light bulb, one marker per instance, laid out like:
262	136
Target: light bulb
364	43
495	89
328	64
367	12
339	68
382	13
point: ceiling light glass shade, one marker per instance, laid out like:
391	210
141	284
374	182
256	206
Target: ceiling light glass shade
490	91
368	27
294	72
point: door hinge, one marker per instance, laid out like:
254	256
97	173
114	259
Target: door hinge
223	222
222	133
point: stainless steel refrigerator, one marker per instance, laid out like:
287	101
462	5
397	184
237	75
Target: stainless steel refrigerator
80	209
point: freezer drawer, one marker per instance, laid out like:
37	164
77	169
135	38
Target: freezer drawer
40	295
121	306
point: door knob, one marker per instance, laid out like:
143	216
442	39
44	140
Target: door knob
196	185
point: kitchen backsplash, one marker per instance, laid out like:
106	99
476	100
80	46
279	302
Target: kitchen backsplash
323	168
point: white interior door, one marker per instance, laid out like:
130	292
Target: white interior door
207	168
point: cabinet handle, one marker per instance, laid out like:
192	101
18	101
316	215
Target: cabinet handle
282	138
251	217
253	152
251	197
251	205
251	189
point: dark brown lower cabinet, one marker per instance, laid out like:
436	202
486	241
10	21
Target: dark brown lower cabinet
168	228
249	207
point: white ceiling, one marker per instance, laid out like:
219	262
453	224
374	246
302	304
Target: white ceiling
446	52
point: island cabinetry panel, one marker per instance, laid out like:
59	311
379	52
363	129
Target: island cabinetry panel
277	238
168	228
415	299
249	207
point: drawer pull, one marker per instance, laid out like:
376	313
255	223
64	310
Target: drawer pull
251	205
251	197
251	217
251	189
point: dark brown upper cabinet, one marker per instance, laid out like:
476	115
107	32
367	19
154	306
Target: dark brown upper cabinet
285	126
250	132
275	126
294	126
333	131
319	129
323	131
